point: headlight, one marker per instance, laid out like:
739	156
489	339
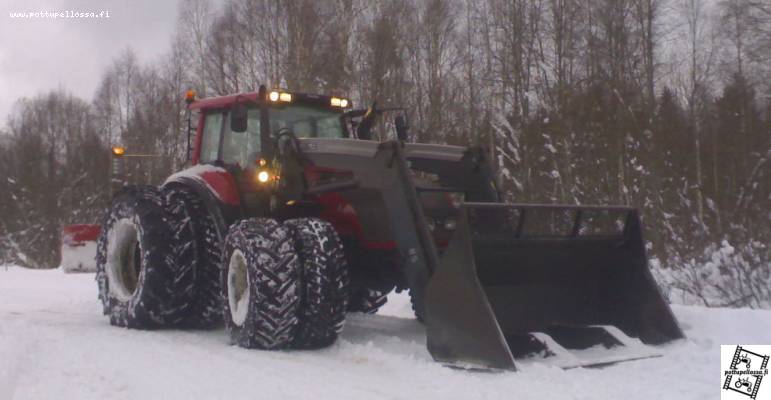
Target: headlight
283	96
338	102
263	176
431	223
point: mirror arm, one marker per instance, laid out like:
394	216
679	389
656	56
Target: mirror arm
266	142
189	127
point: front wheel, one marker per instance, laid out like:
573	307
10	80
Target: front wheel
260	284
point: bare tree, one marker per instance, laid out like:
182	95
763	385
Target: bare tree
701	59
193	24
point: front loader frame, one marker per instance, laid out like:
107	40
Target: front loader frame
387	168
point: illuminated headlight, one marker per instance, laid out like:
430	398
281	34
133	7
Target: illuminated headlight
263	176
338	102
431	224
449	224
283	96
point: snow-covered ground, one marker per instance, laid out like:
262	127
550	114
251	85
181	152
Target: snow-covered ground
55	344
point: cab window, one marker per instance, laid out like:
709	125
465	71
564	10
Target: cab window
211	136
306	122
240	148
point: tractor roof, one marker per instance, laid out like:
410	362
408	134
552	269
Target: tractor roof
296	97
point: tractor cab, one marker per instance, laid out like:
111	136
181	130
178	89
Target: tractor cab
241	132
240	129
250	134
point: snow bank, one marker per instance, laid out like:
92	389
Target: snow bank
725	276
54	343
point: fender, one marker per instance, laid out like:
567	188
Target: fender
216	188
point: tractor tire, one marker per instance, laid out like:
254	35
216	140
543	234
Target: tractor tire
417	308
324	282
140	286
197	244
260	283
366	300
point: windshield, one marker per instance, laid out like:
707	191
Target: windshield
306	122
244	147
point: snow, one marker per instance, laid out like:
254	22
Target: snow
723	276
196	172
55	343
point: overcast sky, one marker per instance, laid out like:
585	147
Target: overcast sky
37	55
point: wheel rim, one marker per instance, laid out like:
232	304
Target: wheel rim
124	259
238	288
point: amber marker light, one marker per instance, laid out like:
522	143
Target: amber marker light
190	96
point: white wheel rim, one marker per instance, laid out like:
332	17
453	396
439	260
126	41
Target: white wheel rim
238	288
122	273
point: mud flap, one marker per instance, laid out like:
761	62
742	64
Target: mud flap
567	285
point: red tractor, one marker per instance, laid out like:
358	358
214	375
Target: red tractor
291	215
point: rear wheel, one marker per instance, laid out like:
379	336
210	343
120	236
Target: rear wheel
259	279
197	245
139	285
325	282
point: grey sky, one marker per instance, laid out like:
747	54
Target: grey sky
37	55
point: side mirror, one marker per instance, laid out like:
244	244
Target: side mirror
238	118
364	130
402	128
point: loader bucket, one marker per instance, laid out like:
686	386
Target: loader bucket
567	285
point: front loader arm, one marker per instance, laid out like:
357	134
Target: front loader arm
382	168
388	169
